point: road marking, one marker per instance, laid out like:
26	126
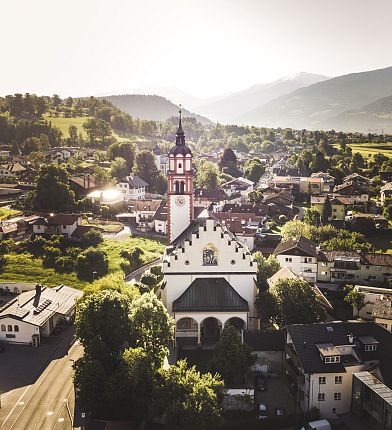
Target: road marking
21	403
16	404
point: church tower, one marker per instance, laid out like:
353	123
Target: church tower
179	187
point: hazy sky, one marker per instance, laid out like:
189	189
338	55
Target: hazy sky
205	47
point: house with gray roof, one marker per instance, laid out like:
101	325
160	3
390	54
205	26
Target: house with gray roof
36	313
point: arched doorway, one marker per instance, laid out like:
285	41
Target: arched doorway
210	330
236	322
186	331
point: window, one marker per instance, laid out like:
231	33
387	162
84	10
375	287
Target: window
338	379
9	328
16	328
337	396
324	263
334	410
289	260
370	347
2	327
10	336
333	359
322	380
321	397
179	165
323	273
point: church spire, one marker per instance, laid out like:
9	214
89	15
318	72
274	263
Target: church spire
180	137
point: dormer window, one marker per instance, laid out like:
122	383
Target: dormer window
370	347
332	359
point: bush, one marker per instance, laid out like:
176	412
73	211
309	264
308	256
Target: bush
92	238
149	279
89	261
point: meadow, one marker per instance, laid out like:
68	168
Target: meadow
26	268
368	149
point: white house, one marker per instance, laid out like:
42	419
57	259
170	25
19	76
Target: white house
382	311
36	313
238	185
132	188
322	358
143	211
11	169
64	224
371	295
300	256
162	162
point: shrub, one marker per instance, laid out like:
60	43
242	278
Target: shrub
89	261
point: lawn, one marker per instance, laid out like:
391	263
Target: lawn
8	213
25	268
153	249
64	123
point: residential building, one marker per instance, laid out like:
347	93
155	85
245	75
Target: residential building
322	358
83	185
328	181
36	313
64	224
160	219
209	195
143	212
382	311
241	186
353	266
110	197
132	188
162	163
354	192
371	401
300	256
371	296
12	170
356	220
386	192
338	206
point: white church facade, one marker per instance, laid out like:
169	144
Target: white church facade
209	275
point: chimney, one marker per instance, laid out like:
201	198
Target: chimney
350	338
38	290
84	182
304	344
88	181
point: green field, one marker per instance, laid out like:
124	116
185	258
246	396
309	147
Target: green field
370	149
64	123
25	268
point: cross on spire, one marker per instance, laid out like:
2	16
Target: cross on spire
180	138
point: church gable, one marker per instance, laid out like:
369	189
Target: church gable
207	246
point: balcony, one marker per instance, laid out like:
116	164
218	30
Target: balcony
297	377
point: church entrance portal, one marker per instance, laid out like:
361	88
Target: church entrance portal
210	330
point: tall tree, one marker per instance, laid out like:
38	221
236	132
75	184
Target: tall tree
119	168
327	210
146	168
207	175
187	399
296	303
231	358
52	191
152	326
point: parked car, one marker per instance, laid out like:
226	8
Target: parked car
262	411
317	425
261	383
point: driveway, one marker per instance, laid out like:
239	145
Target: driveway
277	395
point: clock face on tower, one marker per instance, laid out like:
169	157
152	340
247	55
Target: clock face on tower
180	201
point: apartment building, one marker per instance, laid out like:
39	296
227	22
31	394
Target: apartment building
320	360
300	256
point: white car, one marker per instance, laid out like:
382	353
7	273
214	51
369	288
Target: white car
262	411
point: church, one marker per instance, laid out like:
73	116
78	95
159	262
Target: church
209	275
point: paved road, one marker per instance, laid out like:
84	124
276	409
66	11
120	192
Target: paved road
136	275
49	402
